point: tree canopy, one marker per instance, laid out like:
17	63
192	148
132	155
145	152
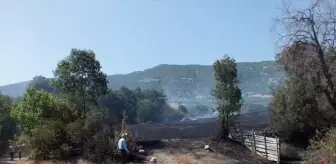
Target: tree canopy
80	79
227	92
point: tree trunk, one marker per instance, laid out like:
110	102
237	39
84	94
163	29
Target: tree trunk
331	95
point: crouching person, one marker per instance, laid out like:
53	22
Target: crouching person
122	148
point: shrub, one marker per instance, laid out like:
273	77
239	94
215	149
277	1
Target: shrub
48	141
324	149
297	112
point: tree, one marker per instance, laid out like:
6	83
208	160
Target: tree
202	109
115	103
42	83
227	92
7	124
130	99
147	111
182	109
36	107
297	113
42	118
80	79
309	35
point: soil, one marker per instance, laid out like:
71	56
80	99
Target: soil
191	151
186	151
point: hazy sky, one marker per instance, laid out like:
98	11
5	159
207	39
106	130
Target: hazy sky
130	35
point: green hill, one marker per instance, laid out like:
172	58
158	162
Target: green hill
189	84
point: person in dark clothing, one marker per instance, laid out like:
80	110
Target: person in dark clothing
20	151
122	148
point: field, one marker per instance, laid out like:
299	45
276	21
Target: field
191	151
257	121
183	142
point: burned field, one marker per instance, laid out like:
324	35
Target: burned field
184	141
202	128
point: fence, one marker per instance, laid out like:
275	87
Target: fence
266	147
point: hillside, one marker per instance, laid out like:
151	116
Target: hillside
189	84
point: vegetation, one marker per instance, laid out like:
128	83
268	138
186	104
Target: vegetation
7	124
79	112
323	148
227	92
303	109
190	84
80	80
75	113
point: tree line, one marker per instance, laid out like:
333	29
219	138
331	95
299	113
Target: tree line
75	113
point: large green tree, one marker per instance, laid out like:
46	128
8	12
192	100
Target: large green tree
227	92
80	79
7	124
37	107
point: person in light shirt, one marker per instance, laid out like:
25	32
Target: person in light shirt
122	148
12	150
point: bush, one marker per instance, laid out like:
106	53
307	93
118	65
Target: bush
297	112
49	141
324	149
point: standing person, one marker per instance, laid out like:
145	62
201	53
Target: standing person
20	150
122	148
11	150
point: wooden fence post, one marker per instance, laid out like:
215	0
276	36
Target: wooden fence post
278	150
241	138
265	146
254	142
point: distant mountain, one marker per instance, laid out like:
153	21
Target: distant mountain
190	84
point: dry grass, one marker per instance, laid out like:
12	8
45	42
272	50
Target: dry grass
185	160
50	162
38	162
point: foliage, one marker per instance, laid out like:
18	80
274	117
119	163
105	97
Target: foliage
80	79
190	84
297	113
7	124
227	92
323	148
42	118
182	109
201	109
98	134
305	106
146	110
171	114
139	105
47	141
42	83
37	107
309	51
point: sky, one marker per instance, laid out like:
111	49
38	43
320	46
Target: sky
132	35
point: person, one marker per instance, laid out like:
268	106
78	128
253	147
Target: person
122	148
20	150
153	160
11	149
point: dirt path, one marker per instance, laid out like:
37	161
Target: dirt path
6	159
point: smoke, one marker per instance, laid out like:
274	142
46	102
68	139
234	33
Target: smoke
201	116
